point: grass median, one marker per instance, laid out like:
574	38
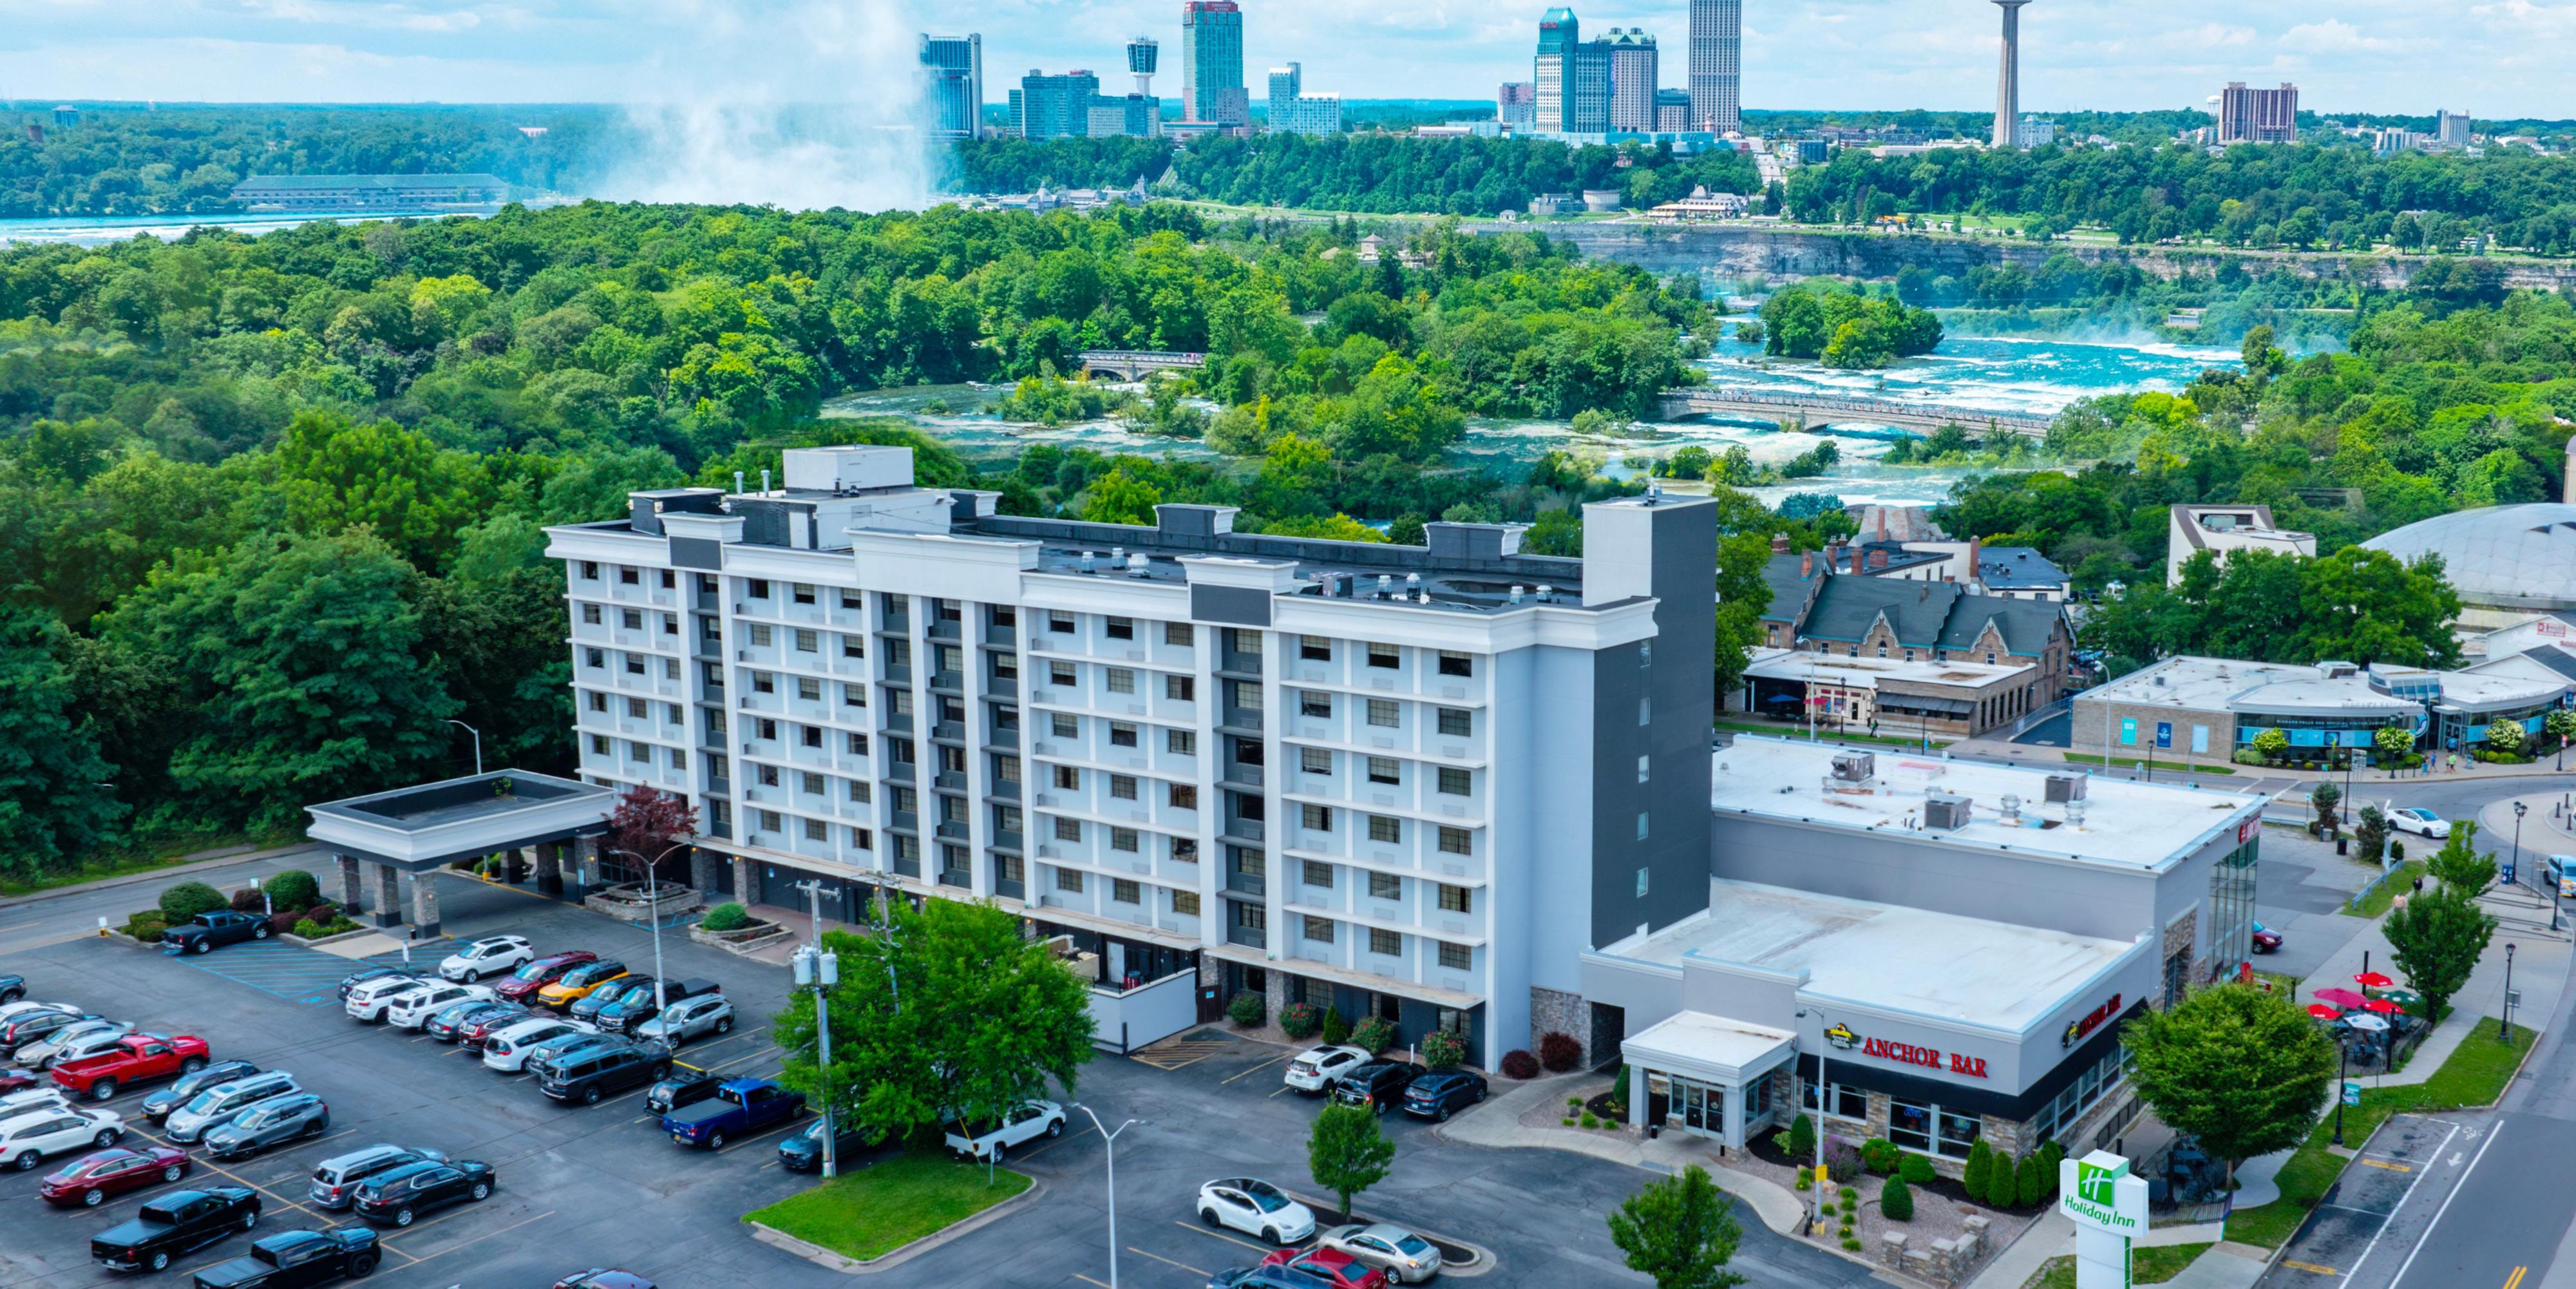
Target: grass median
2152	1265
2382	896
872	1212
2185	769
2474	1076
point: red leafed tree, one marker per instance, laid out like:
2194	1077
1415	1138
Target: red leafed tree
648	822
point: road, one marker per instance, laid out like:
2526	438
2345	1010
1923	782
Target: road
32	922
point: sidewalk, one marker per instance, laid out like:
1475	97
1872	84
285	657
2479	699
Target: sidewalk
1496	1124
2539	970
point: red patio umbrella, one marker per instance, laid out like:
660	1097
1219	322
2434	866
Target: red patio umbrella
2372	980
2344	998
2383	1007
2323	1012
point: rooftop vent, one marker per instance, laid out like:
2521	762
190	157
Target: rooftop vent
1088	557
1518	591
1385	585
2063	788
1546	593
1855	767
2012	807
1945	812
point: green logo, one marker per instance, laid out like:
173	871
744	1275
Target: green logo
2096	1185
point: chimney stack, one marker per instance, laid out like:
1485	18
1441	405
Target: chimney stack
1779	543
1855	564
1807	565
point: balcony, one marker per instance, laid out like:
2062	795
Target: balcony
952	780
1007	839
1000	737
949	681
1242	718
953	829
1001	636
1002	686
901	771
898	673
1006	789
906	820
1244	830
1252	884
1248	937
1243	776
1011	890
1241	664
907	867
898	723
945	629
951	731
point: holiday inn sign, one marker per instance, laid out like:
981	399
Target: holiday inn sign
2097	1191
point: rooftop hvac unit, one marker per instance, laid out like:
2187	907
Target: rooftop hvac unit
1945	812
2067	787
1855	767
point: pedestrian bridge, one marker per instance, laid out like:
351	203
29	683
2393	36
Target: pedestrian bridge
1137	364
1806	410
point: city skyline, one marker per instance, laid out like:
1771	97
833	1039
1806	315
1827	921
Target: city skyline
1859	54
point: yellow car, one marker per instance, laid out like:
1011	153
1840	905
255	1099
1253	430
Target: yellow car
577	983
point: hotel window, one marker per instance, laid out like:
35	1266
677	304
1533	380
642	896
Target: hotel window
1457	841
1185	903
1180	689
1457	957
1385	769
1457	722
670	669
1125	891
594	658
1005	616
1315	703
898	654
1122	734
1178	634
1006	818
809	689
1456	899
854	647
810	735
1181	742
1063	726
1315	648
764	727
1384	656
590	614
811	782
858	745
1385	942
636	709
1453	663
1122	628
853	694
1122	787
635	664
1641	825
1123	839
801	592
1060	673
1456	782
1059	621
670	621
1010	868
862	839
763	683
1068	829
900	701
1385	886
1069	879
631	576
1318	818
1244	640
948	610
1245	694
1319	930
1385	713
589	571
1386	829
907	801
850	600
760	635
717	765
1184	797
599	745
859	791
1315	760
757	588
679	759
1319	874
766	775
598	701
1068	778
808	641
1006	769
815	831
1006	717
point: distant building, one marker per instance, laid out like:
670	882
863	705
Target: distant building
2390	141
1814	152
2035	132
369	192
1144	57
1830	602
1700	206
2452	129
1672	111
955	68
1054	106
1717	66
2193	529
1293	111
1212	64
2258	116
1133	115
66	117
1516	105
1634	74
1573	77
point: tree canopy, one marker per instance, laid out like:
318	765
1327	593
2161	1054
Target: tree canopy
2243	1069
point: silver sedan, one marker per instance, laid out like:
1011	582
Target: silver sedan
276	1120
689	1018
1406	1258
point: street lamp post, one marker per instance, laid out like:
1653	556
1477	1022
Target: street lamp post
2504	1021
1109	1139
1816	1181
478	744
2519	809
653	892
2343	1072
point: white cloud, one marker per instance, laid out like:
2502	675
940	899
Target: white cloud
2333	36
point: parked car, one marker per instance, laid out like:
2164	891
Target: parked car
369	1002
2420	821
22	1004
1253	1278
1026	1122
565	1045
1325	1269
508	1049
88	1181
1441	1093
335	1180
33	1024
275	1120
30	1137
448	1024
175	1224
688	1019
135	1058
738	1109
71	1042
2266	940
12	989
297	1260
1406	1258
603	1278
208	931
636	1006
412	1009
480	1025
1378	1084
490	956
587	1074
350	982
157	1107
224	1100
1255	1207
13	1079
802	1151
2558	868
682	1086
523	984
25	1099
402	1194
577	984
1317	1069
609	995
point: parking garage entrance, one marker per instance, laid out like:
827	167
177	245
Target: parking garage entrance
388	846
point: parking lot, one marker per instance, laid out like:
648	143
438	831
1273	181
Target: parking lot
597	1186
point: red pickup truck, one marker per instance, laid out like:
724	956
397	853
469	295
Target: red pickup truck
140	1058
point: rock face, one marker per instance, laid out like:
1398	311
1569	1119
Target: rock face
1745	250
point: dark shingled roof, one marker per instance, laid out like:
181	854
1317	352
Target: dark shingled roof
1924	615
2017	568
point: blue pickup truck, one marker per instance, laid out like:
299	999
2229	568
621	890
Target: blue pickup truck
739	1108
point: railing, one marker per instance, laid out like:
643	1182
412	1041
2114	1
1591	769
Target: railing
1246	884
1244	829
2033	719
1242	718
1243	776
1247	937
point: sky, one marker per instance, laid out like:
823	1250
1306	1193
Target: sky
2493	58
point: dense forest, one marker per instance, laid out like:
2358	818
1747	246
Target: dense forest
270	508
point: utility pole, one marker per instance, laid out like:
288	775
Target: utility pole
820	972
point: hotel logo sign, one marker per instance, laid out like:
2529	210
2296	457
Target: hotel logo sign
2098	1192
1841	1036
2077	1030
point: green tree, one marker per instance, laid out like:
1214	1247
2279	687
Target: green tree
2505	736
1743	596
2395	741
1347	1153
1679	1231
333	476
2370	833
2459	864
1979	1171
947	1011
2437	940
2561	725
2244	1070
1121	498
2324	799
2272	743
55	802
1896	1200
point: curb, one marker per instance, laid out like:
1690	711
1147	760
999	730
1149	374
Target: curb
157	874
846	1265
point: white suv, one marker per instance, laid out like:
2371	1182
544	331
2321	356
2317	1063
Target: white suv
489	956
368	1002
1027	1122
507	1051
1318	1069
27	1138
413	1009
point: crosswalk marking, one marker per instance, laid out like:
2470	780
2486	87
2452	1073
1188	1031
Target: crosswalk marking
1183	1054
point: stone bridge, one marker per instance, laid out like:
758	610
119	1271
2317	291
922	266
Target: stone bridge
1774	405
1137	364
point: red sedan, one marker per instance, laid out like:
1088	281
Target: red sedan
19	1081
1327	1268
86	1182
523	984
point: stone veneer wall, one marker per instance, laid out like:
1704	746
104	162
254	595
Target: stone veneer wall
1553	1011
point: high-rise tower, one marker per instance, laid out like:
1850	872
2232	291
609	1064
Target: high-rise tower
955	68
1634	76
1212	64
1144	56
2008	86
1717	66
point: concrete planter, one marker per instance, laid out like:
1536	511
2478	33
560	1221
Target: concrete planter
631	904
826	1258
318	941
742	940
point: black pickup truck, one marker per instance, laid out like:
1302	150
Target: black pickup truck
297	1260
209	930
174	1224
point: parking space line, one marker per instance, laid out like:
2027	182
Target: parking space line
740	1059
1028	1155
1282	1088
2394	1168
450	1216
1167	1261
795	1122
1088	1280
1263	1066
415	1261
2514	1281
1220	1235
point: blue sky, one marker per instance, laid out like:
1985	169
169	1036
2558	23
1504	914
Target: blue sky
2491	57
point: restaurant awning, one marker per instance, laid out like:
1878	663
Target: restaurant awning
1718	1049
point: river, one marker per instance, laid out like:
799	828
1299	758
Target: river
98	230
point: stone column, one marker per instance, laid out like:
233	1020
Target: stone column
423	903
746	882
585	855
702	870
352	885
550	868
388	909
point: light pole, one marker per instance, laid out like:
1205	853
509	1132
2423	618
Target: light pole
2343	1071
653	892
1109	1139
820	971
478	744
2519	810
2504	1021
1816	1181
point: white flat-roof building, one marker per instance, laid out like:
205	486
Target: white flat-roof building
1883	695
2216	707
2193	529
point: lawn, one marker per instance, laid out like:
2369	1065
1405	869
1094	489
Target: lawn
2184	768
2475	1075
876	1210
2149	1266
2377	902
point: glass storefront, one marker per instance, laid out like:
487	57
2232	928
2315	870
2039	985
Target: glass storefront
2231	907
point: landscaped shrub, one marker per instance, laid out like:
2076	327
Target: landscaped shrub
1442	1050
1589	1121
146	925
2050	1156
1559	1052
247	900
1805	1179
1880	1155
1518	1064
2033	1187
1336	1030
293	889
1376	1034
1916	1170
1842	1161
188	899
1802	1138
1300	1020
284	920
308	928
1896	1202
1245	1008
1851	1245
725	917
1981	1162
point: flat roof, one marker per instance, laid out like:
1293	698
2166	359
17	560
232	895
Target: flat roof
1715	1040
482	796
2120	824
1868	673
2220	685
1968	970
